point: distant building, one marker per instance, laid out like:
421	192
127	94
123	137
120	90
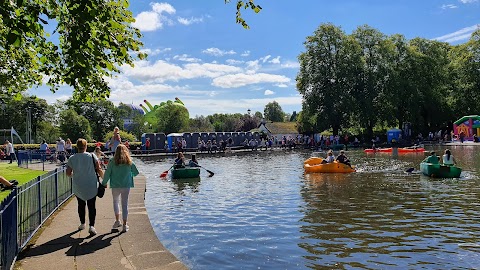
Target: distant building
128	120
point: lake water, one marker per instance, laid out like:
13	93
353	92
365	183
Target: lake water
259	211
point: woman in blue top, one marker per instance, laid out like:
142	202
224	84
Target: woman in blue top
120	173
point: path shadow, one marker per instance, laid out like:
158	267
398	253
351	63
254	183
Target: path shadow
51	246
76	245
98	242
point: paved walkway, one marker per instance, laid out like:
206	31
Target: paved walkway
61	246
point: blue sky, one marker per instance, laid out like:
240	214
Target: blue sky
199	54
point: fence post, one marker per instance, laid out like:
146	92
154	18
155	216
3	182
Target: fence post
56	187
15	221
39	199
8	225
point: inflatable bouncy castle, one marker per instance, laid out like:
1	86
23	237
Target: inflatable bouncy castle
152	112
468	125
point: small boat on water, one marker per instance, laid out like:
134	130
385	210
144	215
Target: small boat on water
314	165
439	170
186	172
411	150
400	150
379	150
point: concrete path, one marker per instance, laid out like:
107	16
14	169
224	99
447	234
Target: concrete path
62	246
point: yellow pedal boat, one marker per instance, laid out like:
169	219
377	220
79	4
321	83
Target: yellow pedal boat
314	165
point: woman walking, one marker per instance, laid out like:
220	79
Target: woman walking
120	172
84	167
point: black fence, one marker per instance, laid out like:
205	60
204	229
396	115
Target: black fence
26	158
26	208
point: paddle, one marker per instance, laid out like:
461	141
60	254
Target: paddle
210	172
165	173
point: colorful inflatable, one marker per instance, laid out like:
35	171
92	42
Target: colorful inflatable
467	126
152	112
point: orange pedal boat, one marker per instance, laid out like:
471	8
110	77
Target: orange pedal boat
314	165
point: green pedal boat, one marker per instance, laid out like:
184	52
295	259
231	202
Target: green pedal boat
187	172
440	171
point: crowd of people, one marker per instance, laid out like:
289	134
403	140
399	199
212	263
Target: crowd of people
88	171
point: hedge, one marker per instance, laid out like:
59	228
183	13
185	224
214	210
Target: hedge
90	146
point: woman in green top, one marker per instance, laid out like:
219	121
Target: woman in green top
120	173
433	159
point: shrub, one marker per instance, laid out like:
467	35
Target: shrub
123	134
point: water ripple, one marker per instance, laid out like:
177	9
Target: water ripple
260	211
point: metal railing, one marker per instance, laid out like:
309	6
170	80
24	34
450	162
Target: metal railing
39	159
26	208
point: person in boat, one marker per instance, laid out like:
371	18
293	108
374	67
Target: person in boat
448	158
433	159
179	161
342	158
193	162
330	158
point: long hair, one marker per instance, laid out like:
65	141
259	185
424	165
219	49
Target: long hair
448	153
122	156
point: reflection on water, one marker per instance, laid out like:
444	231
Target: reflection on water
260	211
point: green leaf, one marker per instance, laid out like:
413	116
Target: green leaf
18	42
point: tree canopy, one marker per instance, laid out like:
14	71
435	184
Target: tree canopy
77	43
273	112
367	79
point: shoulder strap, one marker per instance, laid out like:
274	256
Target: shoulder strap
94	167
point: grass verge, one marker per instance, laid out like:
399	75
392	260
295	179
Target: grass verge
13	172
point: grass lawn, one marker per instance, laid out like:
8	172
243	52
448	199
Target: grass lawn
13	172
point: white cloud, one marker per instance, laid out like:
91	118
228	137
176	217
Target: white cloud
252	66
290	64
449	6
155	19
186	58
217	52
123	90
192	20
282	85
163	7
162	71
468	1
151	52
245	53
199	106
275	60
269	92
265	59
51	99
243	79
234	62
461	34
